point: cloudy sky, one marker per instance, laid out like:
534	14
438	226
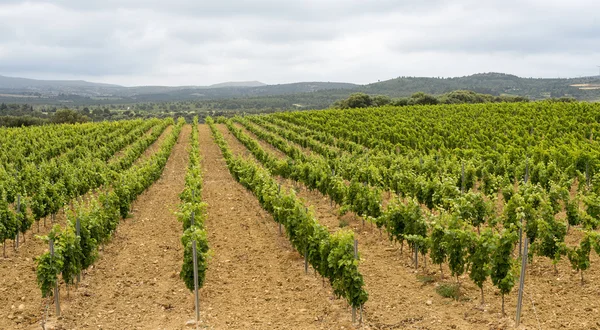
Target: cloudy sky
199	42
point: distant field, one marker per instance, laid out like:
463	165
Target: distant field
587	86
19	96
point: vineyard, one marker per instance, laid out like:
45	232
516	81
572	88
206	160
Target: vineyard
419	217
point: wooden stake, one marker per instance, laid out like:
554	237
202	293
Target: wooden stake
56	293
462	184
306	260
355	257
416	257
197	298
78	233
521	284
18	222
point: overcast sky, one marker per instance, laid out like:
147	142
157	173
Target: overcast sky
199	42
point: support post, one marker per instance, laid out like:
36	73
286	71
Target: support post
416	257
354	308
331	198
18	223
521	284
462	180
279	194
587	175
526	170
306	260
521	239
56	293
78	233
197	298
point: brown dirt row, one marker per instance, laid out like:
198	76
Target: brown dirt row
396	295
307	151
120	153
154	146
256	279
18	286
135	282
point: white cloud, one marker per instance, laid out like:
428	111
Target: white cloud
187	42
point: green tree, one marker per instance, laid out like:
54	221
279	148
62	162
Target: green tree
421	98
381	100
67	116
356	100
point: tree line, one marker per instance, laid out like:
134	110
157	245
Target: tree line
362	100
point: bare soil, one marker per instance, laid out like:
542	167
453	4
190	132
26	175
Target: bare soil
21	305
398	298
256	280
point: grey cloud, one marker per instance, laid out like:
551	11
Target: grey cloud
107	62
202	42
306	10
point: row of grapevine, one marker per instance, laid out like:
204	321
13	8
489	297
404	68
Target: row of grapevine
540	204
388	171
52	184
450	236
493	166
90	225
315	172
331	255
554	134
23	176
192	212
435	194
88	172
41	143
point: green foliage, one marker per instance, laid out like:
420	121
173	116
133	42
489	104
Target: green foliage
9	226
551	237
184	215
480	252
592	204
556	194
457	241
438	250
449	290
192	206
403	220
99	219
473	208
332	255
347	281
68	116
502	263
49	266
194	233
23	219
420	98
356	100
359	100
579	256
573	212
68	246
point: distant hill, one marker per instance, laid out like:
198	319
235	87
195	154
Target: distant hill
255	94
21	90
25	83
490	83
238	84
